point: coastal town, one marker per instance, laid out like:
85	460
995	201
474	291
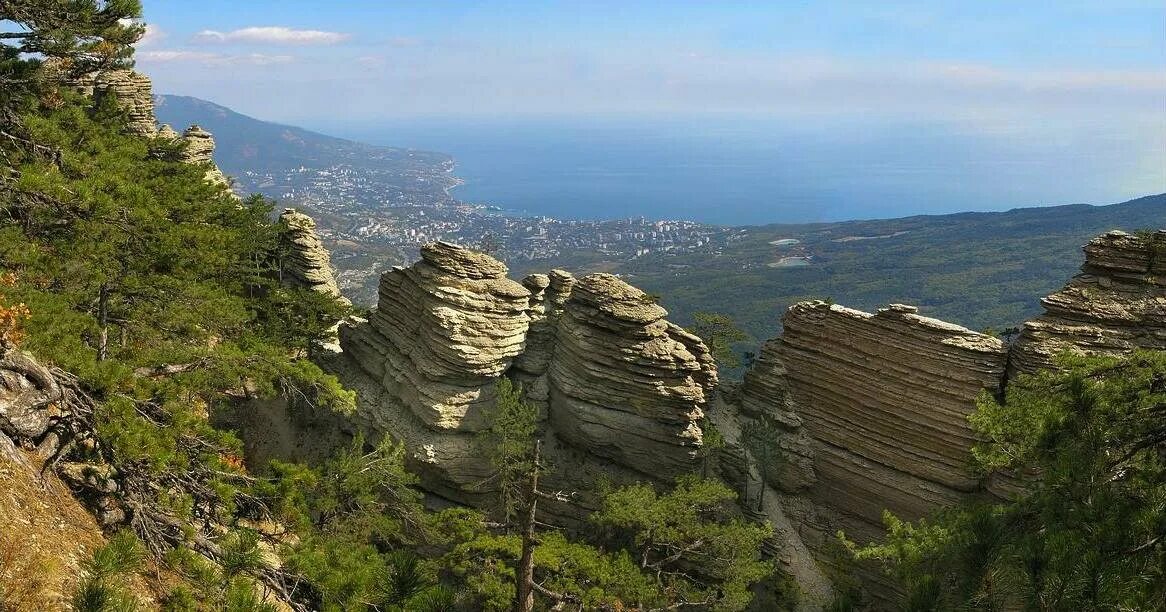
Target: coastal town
375	217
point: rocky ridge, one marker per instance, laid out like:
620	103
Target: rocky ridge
623	389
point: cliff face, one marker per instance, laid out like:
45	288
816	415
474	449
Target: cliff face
883	399
622	388
1116	304
871	409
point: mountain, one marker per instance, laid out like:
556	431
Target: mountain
260	154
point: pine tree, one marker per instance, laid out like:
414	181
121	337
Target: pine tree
1088	442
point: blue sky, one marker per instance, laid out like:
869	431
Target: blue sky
297	59
1079	78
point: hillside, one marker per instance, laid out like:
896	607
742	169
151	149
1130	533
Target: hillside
980	270
267	157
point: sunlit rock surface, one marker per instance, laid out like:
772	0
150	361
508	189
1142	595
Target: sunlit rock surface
1115	305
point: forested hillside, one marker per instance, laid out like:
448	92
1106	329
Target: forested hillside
981	270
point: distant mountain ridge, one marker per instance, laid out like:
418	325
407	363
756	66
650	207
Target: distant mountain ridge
246	143
257	152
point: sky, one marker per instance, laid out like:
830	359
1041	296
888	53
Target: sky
1086	76
296	59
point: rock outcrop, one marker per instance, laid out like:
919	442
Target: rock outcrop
306	262
199	149
623	390
445	329
134	93
1115	305
625	383
877	404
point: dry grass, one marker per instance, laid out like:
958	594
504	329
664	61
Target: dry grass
45	535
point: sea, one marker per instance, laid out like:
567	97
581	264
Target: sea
750	170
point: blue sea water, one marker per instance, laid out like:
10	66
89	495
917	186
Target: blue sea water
755	171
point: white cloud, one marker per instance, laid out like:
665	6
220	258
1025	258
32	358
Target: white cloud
272	35
204	57
153	36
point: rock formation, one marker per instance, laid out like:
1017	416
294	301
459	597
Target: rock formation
133	92
625	383
199	150
765	396
878	405
870	410
623	389
1115	305
306	262
445	329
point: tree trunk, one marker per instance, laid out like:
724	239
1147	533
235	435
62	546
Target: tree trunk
103	322
524	598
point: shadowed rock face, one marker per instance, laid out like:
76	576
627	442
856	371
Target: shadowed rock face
1115	305
616	380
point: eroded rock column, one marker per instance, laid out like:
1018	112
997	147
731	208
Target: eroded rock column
626	384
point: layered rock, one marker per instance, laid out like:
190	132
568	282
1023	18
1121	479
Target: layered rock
307	263
885	398
445	329
871	413
133	92
199	150
1115	305
623	389
625	383
765	396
